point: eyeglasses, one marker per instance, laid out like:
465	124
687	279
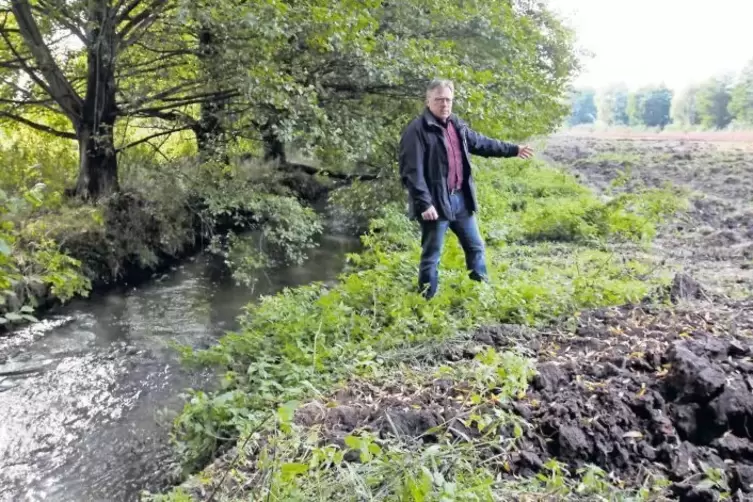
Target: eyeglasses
443	100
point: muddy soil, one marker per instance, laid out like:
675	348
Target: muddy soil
639	391
713	241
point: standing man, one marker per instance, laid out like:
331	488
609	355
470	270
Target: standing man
435	168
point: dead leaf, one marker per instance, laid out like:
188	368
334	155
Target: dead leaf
632	435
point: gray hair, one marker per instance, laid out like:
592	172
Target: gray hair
440	83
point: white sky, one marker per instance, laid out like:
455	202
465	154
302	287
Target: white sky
643	42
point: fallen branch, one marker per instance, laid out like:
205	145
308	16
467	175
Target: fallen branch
323	172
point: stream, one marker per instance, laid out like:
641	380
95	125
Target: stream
88	393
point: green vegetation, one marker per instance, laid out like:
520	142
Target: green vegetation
741	101
301	343
144	127
54	248
333	79
719	102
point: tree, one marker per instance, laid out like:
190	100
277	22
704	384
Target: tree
84	65
649	106
636	107
684	109
612	104
656	106
337	79
713	102
583	107
510	71
741	100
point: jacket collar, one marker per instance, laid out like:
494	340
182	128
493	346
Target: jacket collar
431	121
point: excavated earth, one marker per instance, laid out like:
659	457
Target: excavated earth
640	390
635	390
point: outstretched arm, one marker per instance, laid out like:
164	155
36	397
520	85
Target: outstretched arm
478	144
412	170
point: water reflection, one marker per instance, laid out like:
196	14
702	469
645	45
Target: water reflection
79	393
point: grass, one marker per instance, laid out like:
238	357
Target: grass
551	252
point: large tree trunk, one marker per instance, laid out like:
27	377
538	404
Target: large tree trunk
98	167
210	132
274	148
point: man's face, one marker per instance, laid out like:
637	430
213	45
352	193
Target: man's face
440	102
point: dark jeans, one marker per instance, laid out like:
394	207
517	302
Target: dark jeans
432	240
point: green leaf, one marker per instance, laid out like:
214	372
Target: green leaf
353	442
293	469
4	247
14	317
286	412
517	431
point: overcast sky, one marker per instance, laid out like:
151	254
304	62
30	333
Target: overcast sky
642	42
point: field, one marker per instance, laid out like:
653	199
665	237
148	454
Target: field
743	138
713	241
597	367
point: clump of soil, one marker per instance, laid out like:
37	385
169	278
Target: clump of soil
636	392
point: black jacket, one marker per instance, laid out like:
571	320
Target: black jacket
424	166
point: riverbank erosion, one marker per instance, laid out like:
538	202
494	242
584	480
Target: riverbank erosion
53	249
591	364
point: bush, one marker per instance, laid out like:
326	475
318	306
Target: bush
31	268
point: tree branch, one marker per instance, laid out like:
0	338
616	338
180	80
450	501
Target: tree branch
59	87
20	59
62	16
152	136
13	64
158	66
172	116
146	17
189	100
166	52
38	127
123	16
30	102
338	176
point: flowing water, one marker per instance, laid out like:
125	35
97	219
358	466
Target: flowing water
86	395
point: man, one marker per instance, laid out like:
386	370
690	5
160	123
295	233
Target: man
435	168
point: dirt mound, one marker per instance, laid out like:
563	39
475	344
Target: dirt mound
634	393
624	418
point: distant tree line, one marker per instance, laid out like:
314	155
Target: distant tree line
714	104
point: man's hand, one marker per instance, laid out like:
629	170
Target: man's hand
430	214
525	152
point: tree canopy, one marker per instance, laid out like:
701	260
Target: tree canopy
335	79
